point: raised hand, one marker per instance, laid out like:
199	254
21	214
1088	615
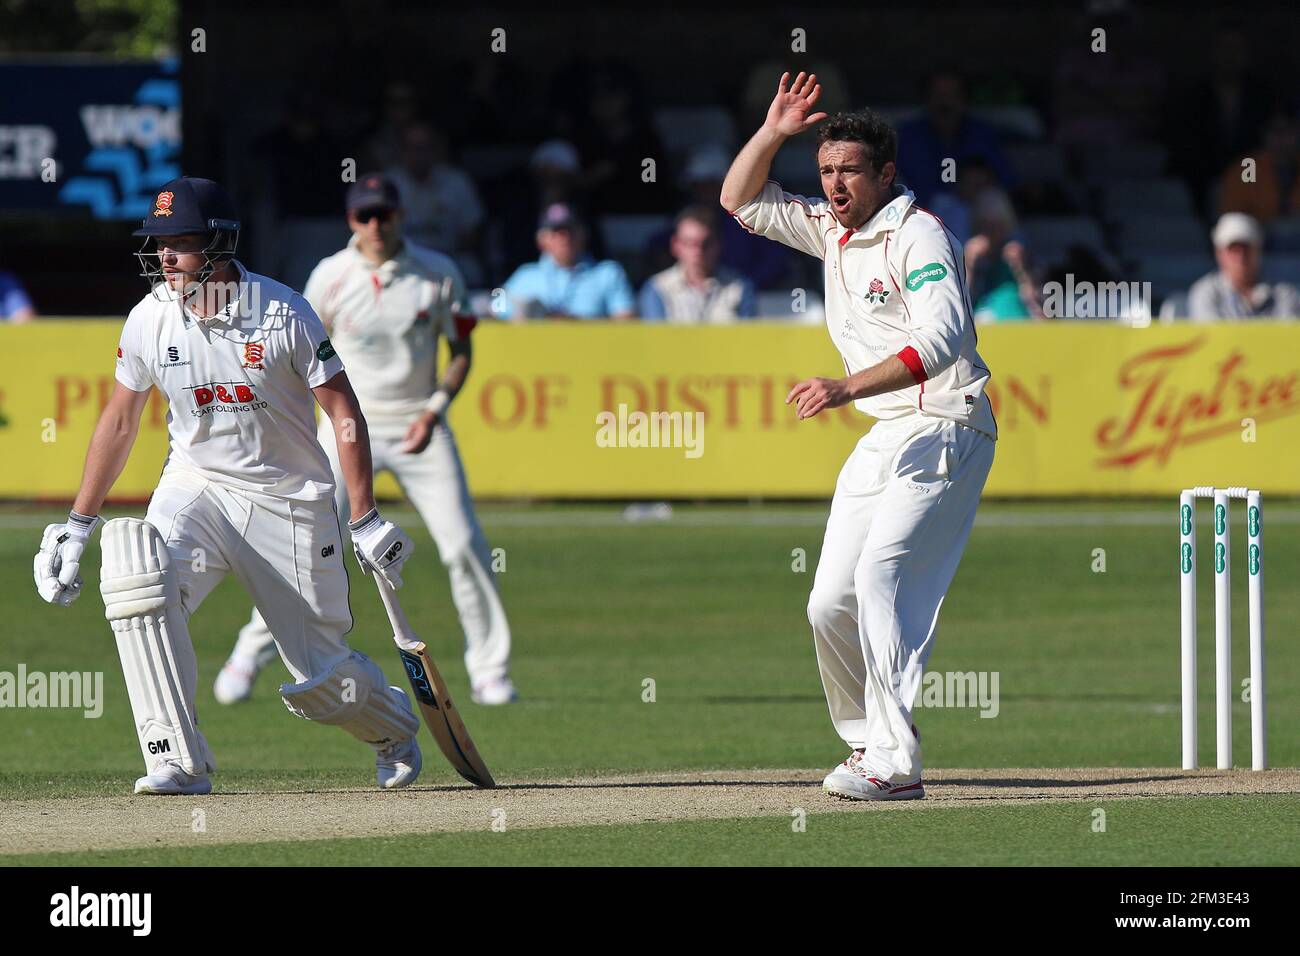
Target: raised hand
791	109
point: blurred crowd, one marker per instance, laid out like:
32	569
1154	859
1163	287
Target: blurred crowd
15	304
602	202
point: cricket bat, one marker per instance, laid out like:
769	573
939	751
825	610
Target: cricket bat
440	713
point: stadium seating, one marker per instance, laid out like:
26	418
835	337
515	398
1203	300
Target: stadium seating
301	243
779	305
1169	273
1049	237
1021	122
795	168
488	161
685	129
1143	236
1136	161
1283	235
1281	268
1131	199
1038	163
625	237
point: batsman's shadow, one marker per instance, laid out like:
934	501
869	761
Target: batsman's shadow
1053	783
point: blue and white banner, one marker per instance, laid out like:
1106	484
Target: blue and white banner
88	139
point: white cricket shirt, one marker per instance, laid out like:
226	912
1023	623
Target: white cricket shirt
894	286
238	385
386	321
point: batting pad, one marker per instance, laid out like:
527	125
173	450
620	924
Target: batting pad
355	696
142	604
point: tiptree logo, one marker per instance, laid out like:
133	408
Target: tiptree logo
1187	558
1187	519
1220	557
1252	521
1220	518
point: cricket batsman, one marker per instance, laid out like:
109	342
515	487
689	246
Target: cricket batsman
246	489
385	302
898	310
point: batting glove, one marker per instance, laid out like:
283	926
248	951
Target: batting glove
381	546
57	564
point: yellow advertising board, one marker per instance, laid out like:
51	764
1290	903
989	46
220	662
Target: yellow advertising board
559	410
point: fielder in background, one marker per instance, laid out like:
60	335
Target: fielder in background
246	489
898	309
385	302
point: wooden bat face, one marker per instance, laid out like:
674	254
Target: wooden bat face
442	718
440	714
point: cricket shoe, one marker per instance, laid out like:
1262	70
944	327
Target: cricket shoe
170	779
851	780
844	770
235	682
494	692
398	765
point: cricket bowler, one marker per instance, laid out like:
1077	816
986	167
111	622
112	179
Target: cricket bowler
898	310
246	489
386	302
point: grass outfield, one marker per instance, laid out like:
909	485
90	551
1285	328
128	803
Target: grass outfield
707	606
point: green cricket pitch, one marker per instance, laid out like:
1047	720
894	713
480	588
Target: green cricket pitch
671	711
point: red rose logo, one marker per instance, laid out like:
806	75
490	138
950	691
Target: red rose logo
877	286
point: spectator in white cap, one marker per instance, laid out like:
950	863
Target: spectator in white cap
1234	290
697	289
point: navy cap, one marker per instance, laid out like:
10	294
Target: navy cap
373	191
559	216
188	205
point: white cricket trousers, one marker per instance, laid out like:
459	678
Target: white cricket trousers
434	481
903	508
287	554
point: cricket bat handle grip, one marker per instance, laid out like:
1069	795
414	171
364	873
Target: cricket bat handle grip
396	616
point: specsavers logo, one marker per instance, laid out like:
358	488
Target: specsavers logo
219	397
927	273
